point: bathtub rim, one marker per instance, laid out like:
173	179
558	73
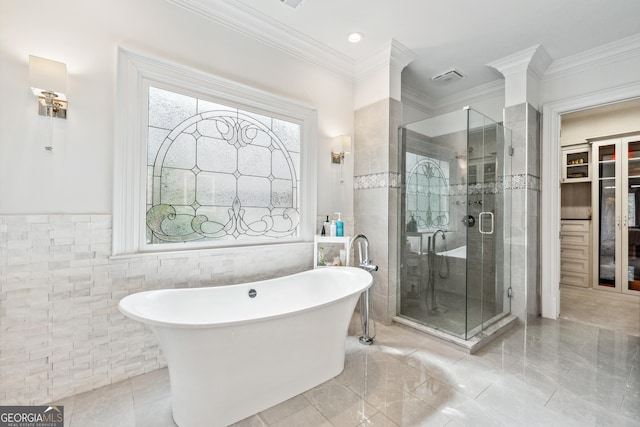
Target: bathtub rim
153	322
454	253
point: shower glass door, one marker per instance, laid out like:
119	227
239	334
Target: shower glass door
454	268
489	205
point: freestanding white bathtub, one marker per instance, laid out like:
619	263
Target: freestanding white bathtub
233	351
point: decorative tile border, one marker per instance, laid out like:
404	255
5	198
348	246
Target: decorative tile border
523	182
377	180
393	180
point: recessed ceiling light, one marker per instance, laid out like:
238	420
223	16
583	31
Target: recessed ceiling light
355	37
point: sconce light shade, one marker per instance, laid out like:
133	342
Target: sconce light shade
340	146
48	81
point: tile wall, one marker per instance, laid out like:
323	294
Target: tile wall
376	196
524	122
60	330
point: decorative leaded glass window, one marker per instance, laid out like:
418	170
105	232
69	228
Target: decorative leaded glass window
204	162
427	191
219	173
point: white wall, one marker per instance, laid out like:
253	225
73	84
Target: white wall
605	80
61	332
623	117
77	176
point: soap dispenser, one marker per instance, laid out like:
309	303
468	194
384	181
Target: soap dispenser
339	226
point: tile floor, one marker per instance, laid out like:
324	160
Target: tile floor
550	373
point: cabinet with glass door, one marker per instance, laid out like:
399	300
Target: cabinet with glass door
575	163
616	198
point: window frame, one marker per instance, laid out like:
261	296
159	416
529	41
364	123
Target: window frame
138	71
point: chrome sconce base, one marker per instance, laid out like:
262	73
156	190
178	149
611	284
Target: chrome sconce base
50	107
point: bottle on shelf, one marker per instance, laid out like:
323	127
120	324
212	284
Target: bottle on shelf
332	227
326	227
339	226
412	225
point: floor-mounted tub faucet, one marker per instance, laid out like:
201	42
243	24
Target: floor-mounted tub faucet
367	264
435	261
435	233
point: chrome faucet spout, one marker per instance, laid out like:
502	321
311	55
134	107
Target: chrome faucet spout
432	239
364	262
362	256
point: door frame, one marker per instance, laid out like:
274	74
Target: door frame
550	185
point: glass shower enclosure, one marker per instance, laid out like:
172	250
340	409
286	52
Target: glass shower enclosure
456	210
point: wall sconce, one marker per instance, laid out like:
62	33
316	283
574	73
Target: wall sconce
48	81
340	146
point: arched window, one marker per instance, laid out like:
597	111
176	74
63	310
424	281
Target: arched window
427	194
220	173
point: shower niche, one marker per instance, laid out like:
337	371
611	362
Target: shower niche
456	208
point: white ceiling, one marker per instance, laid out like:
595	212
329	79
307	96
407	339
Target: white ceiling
465	34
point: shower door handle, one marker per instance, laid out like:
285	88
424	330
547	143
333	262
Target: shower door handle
481	228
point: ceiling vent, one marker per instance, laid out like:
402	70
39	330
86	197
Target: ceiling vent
292	3
449	76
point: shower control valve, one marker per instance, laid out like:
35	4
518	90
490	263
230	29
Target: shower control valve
469	221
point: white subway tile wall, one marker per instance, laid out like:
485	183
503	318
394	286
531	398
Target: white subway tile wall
60	329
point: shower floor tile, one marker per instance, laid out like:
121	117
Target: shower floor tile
547	373
450	312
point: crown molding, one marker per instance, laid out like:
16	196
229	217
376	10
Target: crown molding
473	95
394	56
373	63
251	23
401	56
534	59
423	102
418	100
609	53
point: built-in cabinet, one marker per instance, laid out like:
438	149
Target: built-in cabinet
575	252
575	209
616	214
576	162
